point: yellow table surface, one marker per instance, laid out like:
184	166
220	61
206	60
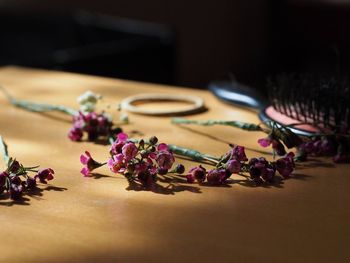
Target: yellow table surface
303	219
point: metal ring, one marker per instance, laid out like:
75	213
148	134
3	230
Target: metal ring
197	104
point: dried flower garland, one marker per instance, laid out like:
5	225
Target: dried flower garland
15	179
142	161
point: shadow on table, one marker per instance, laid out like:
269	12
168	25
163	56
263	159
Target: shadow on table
36	193
170	185
315	163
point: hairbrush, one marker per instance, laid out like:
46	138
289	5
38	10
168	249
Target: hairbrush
307	103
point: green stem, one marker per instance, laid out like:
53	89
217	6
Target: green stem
4	151
237	124
32	170
37	107
193	154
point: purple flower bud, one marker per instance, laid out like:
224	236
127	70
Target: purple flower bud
45	174
180	169
285	166
265	142
75	134
233	166
129	151
197	173
153	140
216	176
238	152
261	170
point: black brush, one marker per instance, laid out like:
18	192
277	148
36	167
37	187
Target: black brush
313	103
306	103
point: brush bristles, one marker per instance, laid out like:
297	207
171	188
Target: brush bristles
313	99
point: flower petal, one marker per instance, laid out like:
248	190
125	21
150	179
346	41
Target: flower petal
162	147
122	137
85	171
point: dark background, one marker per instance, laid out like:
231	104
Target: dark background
187	43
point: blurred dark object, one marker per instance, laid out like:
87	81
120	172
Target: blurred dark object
213	38
89	43
238	94
310	37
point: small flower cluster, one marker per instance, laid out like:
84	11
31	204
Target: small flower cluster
95	125
138	162
261	170
336	146
235	162
15	179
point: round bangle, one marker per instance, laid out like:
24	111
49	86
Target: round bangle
197	104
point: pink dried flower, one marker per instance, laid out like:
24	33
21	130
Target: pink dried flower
89	162
261	170
217	176
277	146
45	174
165	159
75	134
119	143
238	152
129	151
95	125
196	173
265	142
116	163
233	166
285	165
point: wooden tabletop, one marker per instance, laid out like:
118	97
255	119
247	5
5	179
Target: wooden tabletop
76	219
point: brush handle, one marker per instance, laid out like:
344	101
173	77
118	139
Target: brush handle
238	94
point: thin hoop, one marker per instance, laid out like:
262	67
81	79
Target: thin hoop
197	104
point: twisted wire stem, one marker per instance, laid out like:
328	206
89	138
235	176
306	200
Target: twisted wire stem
37	107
